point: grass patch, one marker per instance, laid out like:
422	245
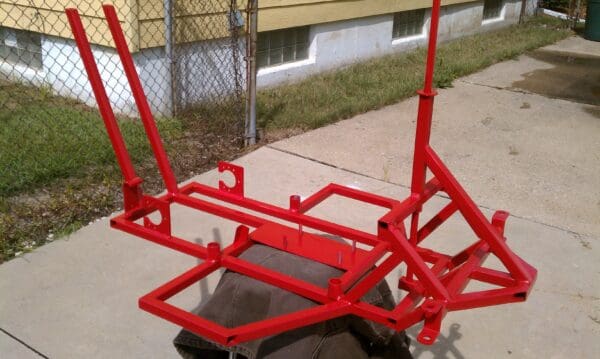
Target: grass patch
58	138
333	96
59	171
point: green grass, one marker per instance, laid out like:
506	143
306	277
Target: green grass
58	171
330	97
44	138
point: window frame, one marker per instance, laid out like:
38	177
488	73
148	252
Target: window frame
298	46
500	14
402	36
21	48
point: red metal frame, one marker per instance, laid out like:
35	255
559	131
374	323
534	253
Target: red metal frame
434	282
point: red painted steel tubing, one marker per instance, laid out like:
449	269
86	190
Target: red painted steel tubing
108	116
140	99
432	48
434	283
475	218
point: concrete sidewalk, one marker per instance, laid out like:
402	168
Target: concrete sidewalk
511	148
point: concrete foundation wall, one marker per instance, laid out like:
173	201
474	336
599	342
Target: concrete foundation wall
344	42
205	71
63	74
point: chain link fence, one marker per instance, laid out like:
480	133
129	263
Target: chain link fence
57	169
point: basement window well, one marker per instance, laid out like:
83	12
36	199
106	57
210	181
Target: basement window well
21	47
282	46
408	25
493	10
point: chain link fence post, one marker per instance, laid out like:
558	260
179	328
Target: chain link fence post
251	71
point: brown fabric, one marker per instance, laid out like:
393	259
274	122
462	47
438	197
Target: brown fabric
240	300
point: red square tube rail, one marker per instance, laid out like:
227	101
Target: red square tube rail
434	284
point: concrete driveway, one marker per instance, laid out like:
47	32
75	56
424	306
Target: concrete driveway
512	138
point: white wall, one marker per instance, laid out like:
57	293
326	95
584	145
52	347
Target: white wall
63	73
339	43
205	71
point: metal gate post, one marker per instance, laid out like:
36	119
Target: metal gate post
251	37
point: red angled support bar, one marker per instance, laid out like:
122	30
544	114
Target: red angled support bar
434	284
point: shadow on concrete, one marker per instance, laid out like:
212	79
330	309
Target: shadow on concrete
443	348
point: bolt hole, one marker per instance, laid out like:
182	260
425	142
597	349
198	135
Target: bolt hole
155	218
228	178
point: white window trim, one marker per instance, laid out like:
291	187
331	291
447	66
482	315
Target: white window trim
311	60
403	40
421	36
496	19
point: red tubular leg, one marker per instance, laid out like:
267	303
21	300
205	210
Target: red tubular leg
108	116
140	99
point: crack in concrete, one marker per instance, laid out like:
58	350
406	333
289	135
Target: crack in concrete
23	343
500	88
531	220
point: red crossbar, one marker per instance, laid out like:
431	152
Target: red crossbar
434	284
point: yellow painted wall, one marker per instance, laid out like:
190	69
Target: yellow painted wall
278	14
48	17
273	14
143	20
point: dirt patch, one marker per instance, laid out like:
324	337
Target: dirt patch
574	77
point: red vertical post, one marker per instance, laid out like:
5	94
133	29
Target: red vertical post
108	116
424	117
140	99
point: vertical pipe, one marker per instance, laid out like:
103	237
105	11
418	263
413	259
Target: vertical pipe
424	117
140	99
251	72
108	116
431	51
168	11
522	13
425	107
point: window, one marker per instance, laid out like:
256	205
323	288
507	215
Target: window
21	47
282	46
492	9
408	23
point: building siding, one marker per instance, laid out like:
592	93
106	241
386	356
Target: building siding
143	21
48	17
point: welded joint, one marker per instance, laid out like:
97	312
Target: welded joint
499	220
132	194
411	285
334	289
241	234
213	252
